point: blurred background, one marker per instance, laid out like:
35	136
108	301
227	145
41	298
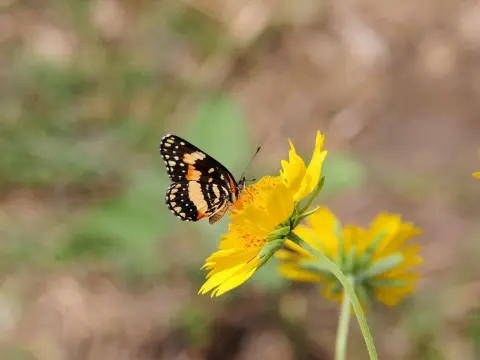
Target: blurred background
92	264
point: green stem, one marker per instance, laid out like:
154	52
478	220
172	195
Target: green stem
367	336
343	327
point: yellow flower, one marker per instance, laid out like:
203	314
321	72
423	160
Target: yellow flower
379	260
301	180
261	219
263	207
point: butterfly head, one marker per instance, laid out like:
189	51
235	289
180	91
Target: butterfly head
240	185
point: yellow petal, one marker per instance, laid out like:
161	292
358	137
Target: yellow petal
291	271
233	282
476	175
297	250
314	169
236	279
219	278
224	259
261	219
404	234
293	170
228	241
280	204
391	296
353	236
410	260
323	223
388	225
329	294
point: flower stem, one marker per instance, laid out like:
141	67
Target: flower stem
367	336
343	327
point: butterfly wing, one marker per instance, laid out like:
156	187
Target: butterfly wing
201	186
195	200
186	162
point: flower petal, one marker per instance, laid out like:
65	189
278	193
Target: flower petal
237	278
220	277
291	271
256	217
391	296
281	204
293	170
314	169
224	259
323	223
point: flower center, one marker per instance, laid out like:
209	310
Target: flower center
248	240
255	194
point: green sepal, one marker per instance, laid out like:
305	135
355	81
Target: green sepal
316	266
314	194
368	253
278	233
305	214
270	248
349	261
387	282
381	266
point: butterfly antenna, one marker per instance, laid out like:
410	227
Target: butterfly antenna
251	159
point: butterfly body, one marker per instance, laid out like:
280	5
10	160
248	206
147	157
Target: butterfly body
201	186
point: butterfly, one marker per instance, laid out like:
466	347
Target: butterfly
201	186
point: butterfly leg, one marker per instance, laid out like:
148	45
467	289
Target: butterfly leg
218	215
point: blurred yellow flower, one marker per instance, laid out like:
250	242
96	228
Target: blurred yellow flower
261	219
378	260
301	180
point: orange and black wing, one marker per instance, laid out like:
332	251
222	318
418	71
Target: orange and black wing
185	161
201	186
195	200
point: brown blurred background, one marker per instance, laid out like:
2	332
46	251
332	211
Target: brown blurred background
93	266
